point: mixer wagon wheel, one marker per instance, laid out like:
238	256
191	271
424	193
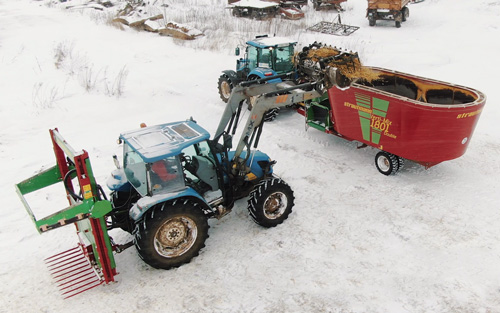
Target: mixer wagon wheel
401	162
387	163
171	234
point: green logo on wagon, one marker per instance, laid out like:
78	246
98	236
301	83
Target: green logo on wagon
372	117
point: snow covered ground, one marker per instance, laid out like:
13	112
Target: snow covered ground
357	241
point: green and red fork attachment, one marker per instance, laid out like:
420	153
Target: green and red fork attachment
91	263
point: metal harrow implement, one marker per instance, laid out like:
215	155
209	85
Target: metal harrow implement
334	28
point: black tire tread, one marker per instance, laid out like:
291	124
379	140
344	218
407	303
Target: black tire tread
260	193
146	228
394	162
222	78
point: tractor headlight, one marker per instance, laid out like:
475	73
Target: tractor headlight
135	212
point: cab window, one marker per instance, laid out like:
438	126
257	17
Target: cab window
165	175
252	57
135	170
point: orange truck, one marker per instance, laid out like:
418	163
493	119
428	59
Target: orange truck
395	10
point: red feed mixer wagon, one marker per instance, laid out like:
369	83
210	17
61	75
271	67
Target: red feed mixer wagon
403	115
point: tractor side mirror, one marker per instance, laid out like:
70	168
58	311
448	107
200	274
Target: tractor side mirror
115	160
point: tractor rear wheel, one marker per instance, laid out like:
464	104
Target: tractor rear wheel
270	202
387	163
171	234
225	86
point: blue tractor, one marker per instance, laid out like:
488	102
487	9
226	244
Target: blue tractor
264	57
175	177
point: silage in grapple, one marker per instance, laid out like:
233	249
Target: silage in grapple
348	64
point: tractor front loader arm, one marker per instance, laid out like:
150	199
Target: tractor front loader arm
279	95
262	97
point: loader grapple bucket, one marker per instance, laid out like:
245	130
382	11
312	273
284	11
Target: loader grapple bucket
92	262
73	272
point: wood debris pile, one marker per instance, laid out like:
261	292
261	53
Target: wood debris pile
135	16
176	30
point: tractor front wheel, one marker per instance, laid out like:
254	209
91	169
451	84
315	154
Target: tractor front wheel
171	234
225	86
271	115
270	202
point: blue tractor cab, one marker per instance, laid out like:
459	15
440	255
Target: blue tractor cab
165	162
264	57
177	160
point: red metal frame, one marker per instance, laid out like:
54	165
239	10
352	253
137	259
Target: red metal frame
107	270
82	258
